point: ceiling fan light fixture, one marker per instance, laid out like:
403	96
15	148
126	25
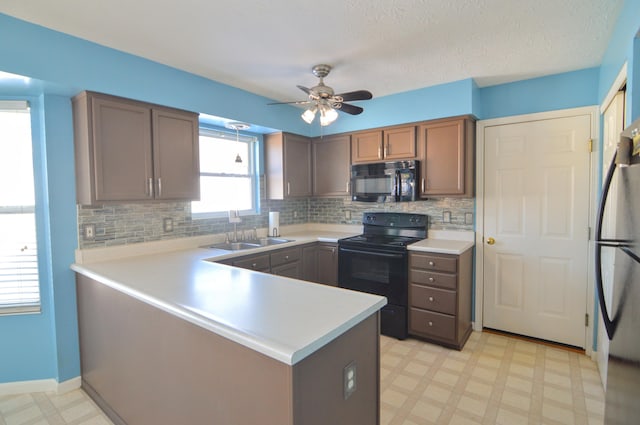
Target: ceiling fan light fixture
327	115
309	115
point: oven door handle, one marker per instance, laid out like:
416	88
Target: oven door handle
379	254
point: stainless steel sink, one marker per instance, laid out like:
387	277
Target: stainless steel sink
234	246
250	244
269	241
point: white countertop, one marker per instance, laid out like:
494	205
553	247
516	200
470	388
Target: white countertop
286	319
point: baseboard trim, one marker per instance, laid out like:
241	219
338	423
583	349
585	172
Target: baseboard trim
39	386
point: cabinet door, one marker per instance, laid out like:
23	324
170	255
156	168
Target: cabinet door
121	142
366	146
400	143
297	166
331	165
310	262
292	270
327	257
447	158
175	154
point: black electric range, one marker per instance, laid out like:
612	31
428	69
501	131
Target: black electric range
377	262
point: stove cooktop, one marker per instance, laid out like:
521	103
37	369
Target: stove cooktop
381	240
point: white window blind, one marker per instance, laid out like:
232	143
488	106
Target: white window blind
19	283
228	179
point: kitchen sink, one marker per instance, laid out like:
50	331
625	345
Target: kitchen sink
249	244
234	246
269	241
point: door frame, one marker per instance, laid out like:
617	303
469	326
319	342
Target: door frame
593	112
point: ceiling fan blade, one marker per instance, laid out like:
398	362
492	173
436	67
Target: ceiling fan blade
355	95
295	102
304	89
349	109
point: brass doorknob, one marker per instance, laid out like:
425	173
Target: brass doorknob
491	241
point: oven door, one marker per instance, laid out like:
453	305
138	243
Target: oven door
375	271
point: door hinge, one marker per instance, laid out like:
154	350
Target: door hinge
586	320
589	233
590	145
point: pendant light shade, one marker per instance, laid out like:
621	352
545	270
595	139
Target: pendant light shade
237	126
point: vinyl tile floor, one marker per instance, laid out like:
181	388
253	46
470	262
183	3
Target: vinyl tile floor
495	379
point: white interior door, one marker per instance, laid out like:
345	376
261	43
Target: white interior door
536	209
613	120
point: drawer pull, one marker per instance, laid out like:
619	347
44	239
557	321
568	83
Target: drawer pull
430	323
431	279
431	263
286	257
254	265
431	299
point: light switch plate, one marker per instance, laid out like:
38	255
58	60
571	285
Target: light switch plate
167	224
468	218
446	216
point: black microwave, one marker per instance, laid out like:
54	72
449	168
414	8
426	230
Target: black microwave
384	181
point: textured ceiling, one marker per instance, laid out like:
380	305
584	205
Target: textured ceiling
385	46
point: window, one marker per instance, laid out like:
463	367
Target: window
19	284
227	174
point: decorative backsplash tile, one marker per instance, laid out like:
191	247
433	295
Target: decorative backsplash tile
143	222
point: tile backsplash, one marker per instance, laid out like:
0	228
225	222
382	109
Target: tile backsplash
143	222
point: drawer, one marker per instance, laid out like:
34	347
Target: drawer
441	263
254	262
433	299
442	280
432	324
284	256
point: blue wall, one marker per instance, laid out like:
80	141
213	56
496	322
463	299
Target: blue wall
45	345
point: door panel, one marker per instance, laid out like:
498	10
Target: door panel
536	208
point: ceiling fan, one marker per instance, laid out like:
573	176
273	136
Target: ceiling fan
322	99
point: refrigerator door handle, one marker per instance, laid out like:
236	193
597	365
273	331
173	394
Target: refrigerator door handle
609	324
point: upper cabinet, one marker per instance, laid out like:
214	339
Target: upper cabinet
446	150
128	151
393	143
288	165
331	165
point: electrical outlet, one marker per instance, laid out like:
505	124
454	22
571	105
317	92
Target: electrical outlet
295	214
446	216
89	232
167	224
468	218
349	379
347	215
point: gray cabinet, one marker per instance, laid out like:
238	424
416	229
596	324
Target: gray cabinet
440	297
447	155
327	263
129	151
388	144
288	166
287	262
320	263
331	165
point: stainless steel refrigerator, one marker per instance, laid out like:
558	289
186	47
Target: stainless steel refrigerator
622	317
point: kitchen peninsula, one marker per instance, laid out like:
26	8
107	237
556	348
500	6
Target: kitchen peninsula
173	338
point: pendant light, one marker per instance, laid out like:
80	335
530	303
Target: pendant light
237	126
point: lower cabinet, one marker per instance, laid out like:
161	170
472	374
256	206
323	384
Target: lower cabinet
320	263
440	297
316	262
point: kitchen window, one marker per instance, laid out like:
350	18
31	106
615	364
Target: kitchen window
228	176
19	279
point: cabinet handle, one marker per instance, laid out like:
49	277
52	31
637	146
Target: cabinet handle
150	187
286	257
431	263
431	279
379	152
430	323
288	188
423	185
159	186
386	149
430	299
254	265
348	186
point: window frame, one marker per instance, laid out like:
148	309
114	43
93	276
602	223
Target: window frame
23	307
253	146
